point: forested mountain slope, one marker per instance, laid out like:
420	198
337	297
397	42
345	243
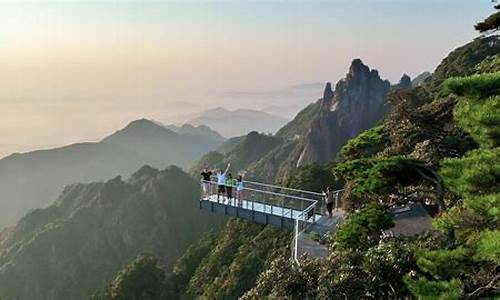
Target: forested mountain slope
32	180
71	248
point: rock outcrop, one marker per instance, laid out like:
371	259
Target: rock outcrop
405	82
317	133
357	103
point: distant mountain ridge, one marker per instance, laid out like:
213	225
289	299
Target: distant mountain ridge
31	180
201	130
231	123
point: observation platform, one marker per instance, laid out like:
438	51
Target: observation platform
286	208
257	212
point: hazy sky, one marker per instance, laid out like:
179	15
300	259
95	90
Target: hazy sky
76	70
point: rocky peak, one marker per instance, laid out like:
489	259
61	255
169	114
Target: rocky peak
357	70
404	82
357	103
328	92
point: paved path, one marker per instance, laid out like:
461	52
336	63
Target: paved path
323	226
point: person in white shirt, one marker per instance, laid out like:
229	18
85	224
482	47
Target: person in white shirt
239	190
221	182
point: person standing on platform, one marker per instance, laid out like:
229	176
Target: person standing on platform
230	184
221	182
239	191
205	182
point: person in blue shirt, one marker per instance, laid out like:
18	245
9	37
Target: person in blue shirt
221	182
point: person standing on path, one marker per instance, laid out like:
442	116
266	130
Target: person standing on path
329	201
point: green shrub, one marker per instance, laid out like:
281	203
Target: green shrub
488	247
363	228
365	144
141	279
388	262
377	176
489	65
442	264
477	173
475	86
425	289
481	119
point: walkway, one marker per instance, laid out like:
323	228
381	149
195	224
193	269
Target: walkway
283	207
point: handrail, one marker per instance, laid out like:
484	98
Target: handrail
280	187
270	193
300	217
284	188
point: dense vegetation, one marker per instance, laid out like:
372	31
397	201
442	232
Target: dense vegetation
219	266
71	248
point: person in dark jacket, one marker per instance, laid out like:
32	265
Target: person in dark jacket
329	199
205	182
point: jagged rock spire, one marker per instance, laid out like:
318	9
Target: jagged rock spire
357	103
328	93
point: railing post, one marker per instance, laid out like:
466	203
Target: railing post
264	201
282	207
295	250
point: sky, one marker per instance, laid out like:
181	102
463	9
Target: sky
74	71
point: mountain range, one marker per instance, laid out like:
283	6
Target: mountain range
231	123
33	179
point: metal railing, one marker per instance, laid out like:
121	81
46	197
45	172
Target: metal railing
301	206
300	226
263	198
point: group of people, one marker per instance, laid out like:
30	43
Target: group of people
225	184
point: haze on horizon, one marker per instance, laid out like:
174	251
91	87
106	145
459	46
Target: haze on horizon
77	71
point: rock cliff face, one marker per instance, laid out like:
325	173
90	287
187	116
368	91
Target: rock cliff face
357	103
